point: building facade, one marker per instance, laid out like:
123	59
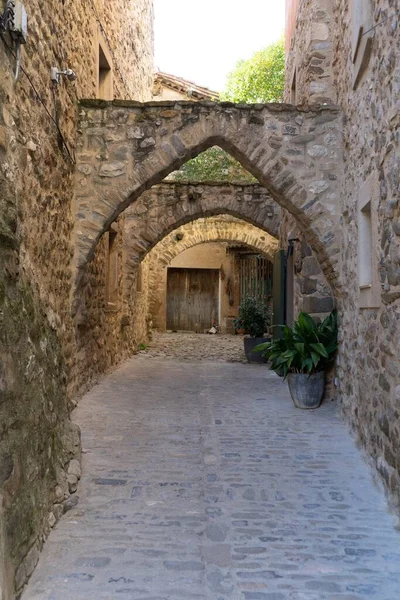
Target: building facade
110	48
347	53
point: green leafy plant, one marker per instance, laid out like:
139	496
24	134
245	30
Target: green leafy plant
254	317
213	165
142	347
307	347
261	78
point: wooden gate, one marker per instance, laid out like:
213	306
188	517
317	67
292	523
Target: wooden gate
192	299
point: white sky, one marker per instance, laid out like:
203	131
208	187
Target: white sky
203	40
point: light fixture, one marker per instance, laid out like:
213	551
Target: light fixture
55	74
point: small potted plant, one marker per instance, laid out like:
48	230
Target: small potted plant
302	355
254	319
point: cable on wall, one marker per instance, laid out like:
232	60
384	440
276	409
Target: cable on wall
381	22
63	141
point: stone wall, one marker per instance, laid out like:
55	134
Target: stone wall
368	370
108	332
36	220
199	238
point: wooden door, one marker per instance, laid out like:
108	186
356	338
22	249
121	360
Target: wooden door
192	299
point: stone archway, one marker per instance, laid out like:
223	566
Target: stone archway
124	148
221	229
168	206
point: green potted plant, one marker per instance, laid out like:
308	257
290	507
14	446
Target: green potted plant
302	355
254	318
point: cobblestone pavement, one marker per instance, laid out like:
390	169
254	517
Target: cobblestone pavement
197	346
203	482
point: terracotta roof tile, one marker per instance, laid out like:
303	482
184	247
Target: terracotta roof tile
184	86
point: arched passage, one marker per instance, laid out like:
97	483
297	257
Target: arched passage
168	206
202	232
125	148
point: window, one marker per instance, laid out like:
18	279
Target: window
112	266
361	24
105	74
293	91
368	276
139	279
365	246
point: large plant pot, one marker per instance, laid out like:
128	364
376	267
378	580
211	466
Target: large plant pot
306	390
254	357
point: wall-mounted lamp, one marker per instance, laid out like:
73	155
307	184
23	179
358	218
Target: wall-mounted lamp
56	74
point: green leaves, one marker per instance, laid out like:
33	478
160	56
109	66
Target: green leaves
307	347
259	79
254	316
213	165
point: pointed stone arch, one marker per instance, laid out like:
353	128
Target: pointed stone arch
169	205
222	228
219	229
124	148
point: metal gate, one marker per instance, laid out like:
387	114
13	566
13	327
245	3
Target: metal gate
256	277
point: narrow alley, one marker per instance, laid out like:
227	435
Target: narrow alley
202	481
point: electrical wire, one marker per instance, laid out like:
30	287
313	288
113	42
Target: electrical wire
381	22
68	151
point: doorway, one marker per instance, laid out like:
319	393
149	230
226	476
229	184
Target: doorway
192	299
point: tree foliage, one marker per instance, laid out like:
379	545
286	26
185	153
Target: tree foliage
211	165
259	79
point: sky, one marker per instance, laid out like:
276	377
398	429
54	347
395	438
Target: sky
203	40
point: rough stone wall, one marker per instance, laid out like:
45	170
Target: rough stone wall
310	57
368	372
36	220
205	231
309	78
37	440
108	333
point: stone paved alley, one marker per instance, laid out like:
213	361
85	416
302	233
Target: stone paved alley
202	481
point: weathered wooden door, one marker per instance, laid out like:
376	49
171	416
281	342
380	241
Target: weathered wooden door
192	299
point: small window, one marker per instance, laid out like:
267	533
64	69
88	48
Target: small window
362	35
365	246
368	244
105	74
293	90
139	279
112	267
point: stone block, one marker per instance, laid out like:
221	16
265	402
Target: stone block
74	468
308	286
313	304
310	267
